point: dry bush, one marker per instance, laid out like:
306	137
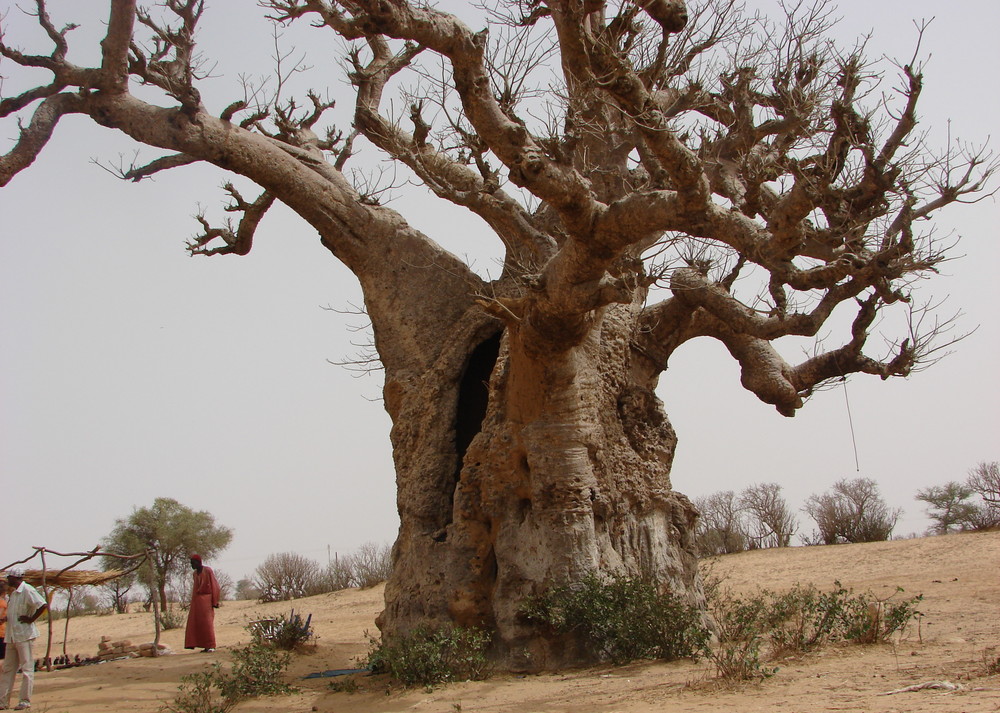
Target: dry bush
372	564
984	480
246	589
286	575
768	519
720	529
852	511
337	575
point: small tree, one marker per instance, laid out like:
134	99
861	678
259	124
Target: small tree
372	564
286	575
853	511
949	506
985	480
171	532
226	585
769	521
116	591
720	529
337	575
246	589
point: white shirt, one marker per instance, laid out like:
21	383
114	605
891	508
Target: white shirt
24	600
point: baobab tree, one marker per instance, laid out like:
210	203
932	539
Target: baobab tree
655	173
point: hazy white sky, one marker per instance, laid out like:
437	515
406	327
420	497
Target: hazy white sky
129	370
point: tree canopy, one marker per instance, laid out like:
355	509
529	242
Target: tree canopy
172	532
758	175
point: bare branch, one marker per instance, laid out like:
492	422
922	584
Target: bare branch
136	173
240	240
170	62
366	361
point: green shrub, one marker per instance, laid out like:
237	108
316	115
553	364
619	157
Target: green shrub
866	619
172	619
256	671
621	619
796	621
432	656
199	693
739	660
742	627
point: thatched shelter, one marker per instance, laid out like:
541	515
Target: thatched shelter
67	579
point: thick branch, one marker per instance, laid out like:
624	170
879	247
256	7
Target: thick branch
647	110
527	162
115	46
34	137
448	178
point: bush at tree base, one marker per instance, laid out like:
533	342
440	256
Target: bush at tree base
431	656
622	619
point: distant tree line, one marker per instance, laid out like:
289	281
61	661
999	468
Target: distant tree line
287	575
853	510
170	532
758	517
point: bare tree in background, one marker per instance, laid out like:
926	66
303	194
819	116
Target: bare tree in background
117	591
769	520
372	564
337	575
285	576
655	173
720	529
852	511
227	587
985	480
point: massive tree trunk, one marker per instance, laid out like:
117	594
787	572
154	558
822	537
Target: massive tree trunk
521	469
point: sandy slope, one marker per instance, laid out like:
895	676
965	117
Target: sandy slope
959	576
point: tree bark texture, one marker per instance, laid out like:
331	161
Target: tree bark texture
518	471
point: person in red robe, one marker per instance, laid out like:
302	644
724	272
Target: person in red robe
205	594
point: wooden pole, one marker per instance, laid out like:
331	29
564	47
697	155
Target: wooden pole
155	598
69	607
47	661
84	556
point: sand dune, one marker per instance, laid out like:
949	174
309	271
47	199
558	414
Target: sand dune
959	576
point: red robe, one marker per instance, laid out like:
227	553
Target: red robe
205	593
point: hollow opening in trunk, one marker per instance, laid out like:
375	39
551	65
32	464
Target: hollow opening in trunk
473	398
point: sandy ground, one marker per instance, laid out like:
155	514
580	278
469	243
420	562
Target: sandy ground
959	576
